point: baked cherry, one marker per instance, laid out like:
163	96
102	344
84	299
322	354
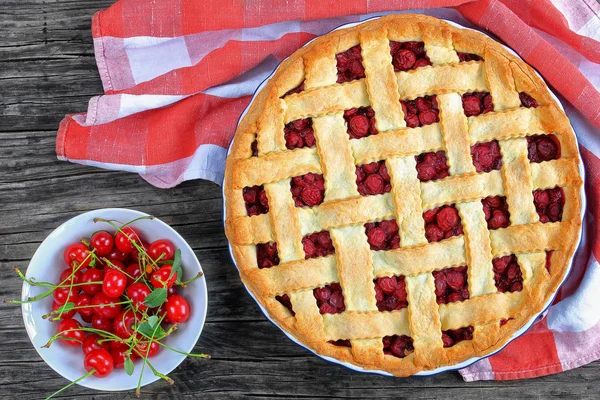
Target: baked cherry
161	250
137	293
160	277
308	190
453	336
527	101
476	103
297	89
373	178
441	223
92	275
125	238
383	235
299	133
123	323
549	204
507	274
341	343
465	57
99	361
266	255
178	309
286	301
77	254
330	299
360	122
114	283
432	166
408	55
486	156
317	244
397	345
349	65
390	293
65	315
496	212
254	148
542	148
256	200
70	334
92	342
104	306
102	242
451	285
420	111
549	259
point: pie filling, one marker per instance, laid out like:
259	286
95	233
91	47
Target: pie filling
486	156
549	259
285	300
297	89
318	244
360	122
373	178
441	223
341	343
465	57
408	55
266	255
254	148
308	190
496	212
299	133
542	148
256	200
451	285
330	299
349	65
383	235
549	204
453	336
476	103
420	111
390	293
507	274
432	166
527	101
397	345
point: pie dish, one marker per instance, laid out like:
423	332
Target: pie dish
403	195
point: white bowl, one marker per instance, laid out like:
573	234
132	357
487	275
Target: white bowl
47	264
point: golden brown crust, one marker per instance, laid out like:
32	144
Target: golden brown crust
344	212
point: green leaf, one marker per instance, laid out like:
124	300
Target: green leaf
148	330
156	298
65	308
129	366
153	321
176	269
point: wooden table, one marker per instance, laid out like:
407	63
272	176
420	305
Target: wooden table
47	70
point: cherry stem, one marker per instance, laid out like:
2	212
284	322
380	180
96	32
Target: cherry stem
57	311
183	284
92	371
145	358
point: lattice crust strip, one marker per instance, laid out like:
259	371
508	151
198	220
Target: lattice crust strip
354	265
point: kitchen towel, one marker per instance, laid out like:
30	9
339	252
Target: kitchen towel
177	74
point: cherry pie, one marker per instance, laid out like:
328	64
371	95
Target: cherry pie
403	195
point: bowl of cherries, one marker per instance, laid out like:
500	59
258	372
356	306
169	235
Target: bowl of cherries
114	299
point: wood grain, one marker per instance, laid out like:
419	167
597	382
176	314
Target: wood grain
47	70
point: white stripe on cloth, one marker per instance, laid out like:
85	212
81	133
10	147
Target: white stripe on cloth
582	16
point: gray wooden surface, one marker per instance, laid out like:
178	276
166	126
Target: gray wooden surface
47	70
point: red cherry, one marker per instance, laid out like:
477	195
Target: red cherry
104	324
447	218
141	349
124	238
84	300
72	335
119	354
92	275
114	283
69	276
103	242
160	277
116	254
161	247
123	323
65	315
137	292
133	272
77	254
90	344
178	309
99	360
104	306
136	255
64	295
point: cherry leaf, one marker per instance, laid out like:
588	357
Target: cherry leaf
176	269
65	308
129	366
155	331
156	298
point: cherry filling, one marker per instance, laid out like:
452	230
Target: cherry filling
299	133
527	101
318	244
408	55
420	111
543	148
453	336
383	235
256	200
504	321
254	148
549	204
397	345
390	293
451	285
285	300
507	274
330	299
349	65
476	103
297	89
549	259
373	178
432	166
441	223
266	255
308	190
486	156
360	122
341	343
496	212
465	57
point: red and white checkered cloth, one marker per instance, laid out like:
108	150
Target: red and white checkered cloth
178	73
